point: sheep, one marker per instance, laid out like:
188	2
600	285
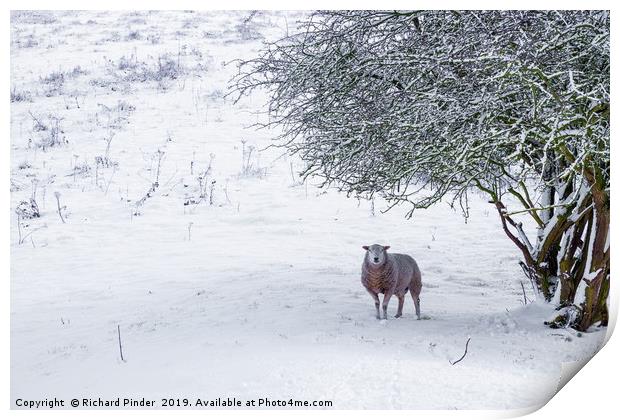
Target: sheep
391	274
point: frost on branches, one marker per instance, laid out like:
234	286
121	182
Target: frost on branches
425	105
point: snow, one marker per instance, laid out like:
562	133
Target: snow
593	228
264	299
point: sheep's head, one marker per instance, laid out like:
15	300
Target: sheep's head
376	254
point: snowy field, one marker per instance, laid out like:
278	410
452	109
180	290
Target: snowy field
227	275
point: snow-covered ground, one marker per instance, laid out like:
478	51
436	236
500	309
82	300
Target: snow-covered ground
252	291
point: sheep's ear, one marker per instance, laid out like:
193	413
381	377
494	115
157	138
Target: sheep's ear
385	248
365	247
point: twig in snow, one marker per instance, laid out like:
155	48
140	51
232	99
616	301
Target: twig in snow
295	182
108	141
120	345
37	121
211	188
524	296
529	275
19	228
57	194
165	184
75	171
202	179
141	201
160	156
226	193
189	231
110	180
464	354
22	237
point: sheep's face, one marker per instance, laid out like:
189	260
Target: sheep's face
376	254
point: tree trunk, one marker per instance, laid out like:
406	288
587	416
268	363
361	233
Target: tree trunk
594	308
574	249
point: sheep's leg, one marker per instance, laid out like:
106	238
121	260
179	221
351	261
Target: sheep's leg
401	302
377	304
416	302
386	301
